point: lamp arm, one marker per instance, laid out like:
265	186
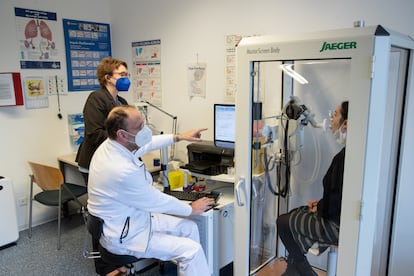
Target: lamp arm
162	110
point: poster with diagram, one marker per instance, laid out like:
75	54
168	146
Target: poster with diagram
36	32
197	79
86	43
146	71
231	42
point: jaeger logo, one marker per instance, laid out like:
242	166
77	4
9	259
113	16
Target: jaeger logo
338	46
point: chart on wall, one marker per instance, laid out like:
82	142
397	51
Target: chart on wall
231	42
36	34
86	44
146	71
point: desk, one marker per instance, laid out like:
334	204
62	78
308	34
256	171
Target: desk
68	164
216	226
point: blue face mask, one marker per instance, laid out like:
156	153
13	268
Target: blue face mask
122	84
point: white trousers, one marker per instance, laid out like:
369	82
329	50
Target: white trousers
178	239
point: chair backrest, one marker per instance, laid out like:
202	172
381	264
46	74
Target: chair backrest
94	226
46	177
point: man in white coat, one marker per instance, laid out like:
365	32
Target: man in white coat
138	219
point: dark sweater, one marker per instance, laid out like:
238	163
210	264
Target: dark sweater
329	207
96	109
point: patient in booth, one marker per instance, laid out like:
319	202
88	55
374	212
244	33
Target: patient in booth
323	216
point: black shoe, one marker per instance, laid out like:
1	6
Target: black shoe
304	268
291	268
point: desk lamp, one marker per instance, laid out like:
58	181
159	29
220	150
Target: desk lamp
143	107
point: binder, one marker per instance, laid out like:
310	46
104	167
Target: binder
11	92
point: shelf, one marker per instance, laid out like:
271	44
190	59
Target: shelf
219	177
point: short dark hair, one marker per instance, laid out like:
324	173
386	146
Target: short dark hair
344	110
117	119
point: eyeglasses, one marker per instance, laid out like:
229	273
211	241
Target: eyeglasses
122	74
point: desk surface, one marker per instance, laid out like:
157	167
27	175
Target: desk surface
220	177
147	158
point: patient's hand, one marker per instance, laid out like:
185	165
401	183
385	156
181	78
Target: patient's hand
313	205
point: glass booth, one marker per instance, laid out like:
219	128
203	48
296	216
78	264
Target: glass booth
289	84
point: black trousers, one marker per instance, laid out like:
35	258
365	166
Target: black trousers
285	234
101	267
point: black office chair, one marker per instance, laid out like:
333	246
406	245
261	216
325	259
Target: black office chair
94	226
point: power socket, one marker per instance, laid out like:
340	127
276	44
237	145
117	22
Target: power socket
56	84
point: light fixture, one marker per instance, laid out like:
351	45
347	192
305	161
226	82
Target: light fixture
287	68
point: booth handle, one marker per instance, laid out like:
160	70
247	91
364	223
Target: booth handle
238	191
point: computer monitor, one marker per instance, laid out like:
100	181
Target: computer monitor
224	125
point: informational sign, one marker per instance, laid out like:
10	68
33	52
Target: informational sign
36	36
35	93
146	74
86	44
197	79
230	66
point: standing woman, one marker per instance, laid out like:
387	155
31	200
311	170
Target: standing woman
113	77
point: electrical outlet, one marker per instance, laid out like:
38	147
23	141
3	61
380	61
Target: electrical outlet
56	84
22	201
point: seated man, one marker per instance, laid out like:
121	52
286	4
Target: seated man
319	220
120	191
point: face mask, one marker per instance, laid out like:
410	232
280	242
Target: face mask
122	84
340	136
143	137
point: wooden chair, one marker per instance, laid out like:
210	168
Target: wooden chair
55	192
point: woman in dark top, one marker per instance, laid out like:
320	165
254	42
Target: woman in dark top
113	77
323	216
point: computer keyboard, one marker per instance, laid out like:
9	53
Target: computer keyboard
191	196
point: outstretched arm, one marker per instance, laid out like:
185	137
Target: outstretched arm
192	135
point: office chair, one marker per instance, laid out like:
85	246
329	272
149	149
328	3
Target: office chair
55	192
94	228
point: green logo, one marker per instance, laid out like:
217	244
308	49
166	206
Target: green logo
338	46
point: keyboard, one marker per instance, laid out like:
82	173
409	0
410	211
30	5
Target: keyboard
191	196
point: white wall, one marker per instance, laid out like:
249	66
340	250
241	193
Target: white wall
186	28
38	134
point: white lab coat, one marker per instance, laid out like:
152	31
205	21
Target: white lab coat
119	187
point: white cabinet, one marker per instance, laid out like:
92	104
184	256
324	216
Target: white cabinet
9	232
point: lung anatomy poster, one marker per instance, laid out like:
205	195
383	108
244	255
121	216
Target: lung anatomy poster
36	32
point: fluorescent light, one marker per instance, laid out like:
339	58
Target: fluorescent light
287	68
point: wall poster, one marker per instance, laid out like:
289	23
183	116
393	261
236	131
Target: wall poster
146	74
36	32
86	44
231	42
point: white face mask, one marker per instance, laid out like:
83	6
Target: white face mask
143	137
340	136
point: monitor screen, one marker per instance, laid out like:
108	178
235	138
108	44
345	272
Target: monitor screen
225	125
